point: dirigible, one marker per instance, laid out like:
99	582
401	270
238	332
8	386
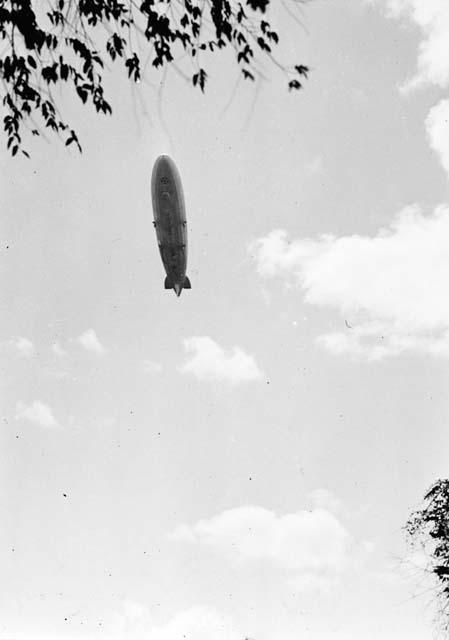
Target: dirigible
170	222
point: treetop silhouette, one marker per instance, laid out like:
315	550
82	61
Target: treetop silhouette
70	42
430	525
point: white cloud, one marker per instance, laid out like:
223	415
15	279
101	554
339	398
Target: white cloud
432	18
324	499
437	127
106	422
151	367
310	542
58	350
57	374
89	340
196	623
209	361
37	412
132	619
313	583
134	610
315	166
365	342
392	286
24	347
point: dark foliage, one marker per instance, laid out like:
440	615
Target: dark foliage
60	42
430	526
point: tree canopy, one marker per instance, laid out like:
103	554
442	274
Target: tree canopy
68	42
430	525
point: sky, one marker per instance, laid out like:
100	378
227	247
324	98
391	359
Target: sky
238	462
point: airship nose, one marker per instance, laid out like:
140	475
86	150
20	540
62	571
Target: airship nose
163	163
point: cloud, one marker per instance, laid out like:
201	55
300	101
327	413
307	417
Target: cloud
196	623
57	374
437	127
209	361
23	346
309	542
89	340
432	18
134	610
58	350
366	343
324	499
392	287
151	367
313	583
106	422
131	619
37	412
315	166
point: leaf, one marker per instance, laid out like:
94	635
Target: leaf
199	79
64	71
262	44
82	94
133	65
302	70
241	14
202	79
73	138
261	5
247	74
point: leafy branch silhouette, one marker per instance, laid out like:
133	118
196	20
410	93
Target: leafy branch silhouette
430	526
69	43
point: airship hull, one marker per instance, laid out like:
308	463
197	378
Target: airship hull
170	222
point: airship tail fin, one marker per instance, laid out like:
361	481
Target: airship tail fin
169	284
